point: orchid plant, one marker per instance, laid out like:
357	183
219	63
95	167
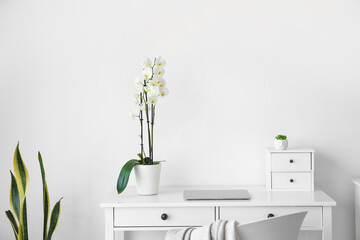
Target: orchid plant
149	88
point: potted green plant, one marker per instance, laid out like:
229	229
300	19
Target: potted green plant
149	88
18	190
281	142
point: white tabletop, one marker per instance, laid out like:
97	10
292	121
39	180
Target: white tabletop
172	196
292	150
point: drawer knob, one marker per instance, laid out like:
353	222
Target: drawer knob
291	180
164	216
271	215
291	161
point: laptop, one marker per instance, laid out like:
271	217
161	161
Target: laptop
232	194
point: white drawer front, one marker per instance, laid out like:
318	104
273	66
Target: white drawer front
291	180
250	214
291	161
176	216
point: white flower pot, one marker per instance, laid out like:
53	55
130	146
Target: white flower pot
147	179
281	144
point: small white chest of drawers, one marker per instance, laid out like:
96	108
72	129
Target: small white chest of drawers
291	169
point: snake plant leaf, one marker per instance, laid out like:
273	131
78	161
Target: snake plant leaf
14	225
14	197
124	174
46	199
55	214
23	231
21	173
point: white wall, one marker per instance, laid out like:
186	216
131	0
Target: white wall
239	72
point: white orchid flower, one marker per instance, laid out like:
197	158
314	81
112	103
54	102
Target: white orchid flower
137	95
138	82
161	82
157	79
152	99
133	116
141	107
137	98
155	90
147	88
152	90
159	72
160	62
147	73
163	91
153	83
136	102
147	63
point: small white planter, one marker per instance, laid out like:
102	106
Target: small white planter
281	144
147	179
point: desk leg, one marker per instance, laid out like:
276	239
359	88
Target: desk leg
109	224
327	224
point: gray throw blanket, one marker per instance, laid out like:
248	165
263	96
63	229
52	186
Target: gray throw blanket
220	230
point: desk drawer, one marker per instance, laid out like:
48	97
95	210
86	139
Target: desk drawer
290	161
176	216
291	180
250	214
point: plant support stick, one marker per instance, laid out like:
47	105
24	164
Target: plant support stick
152	131
148	122
141	131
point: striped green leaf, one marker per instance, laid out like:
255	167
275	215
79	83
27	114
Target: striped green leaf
46	199
125	174
23	231
21	173
14	225
14	197
55	214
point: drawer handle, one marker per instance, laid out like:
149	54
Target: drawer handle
291	180
164	216
291	161
271	215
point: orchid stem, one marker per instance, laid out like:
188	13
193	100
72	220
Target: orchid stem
148	123
152	130
142	132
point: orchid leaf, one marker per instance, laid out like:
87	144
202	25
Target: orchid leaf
124	175
14	225
46	199
147	161
158	162
21	173
14	197
54	219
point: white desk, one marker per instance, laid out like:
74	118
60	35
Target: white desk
167	210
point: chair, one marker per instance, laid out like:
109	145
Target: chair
357	207
284	227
